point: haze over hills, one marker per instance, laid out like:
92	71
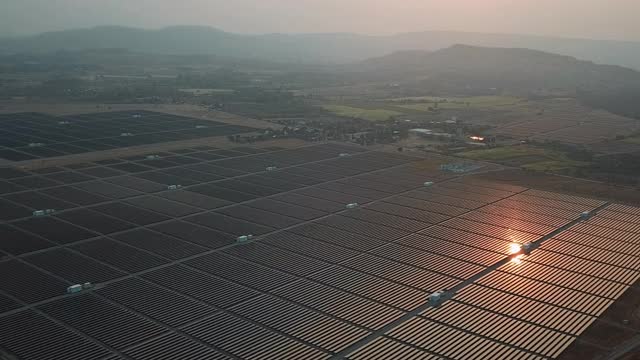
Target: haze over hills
514	69
517	64
308	48
465	69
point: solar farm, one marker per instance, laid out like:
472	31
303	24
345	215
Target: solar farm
27	136
570	125
323	251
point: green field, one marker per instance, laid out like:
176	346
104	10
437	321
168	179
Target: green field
425	102
360	113
502	153
527	157
207	91
382	110
555	165
632	140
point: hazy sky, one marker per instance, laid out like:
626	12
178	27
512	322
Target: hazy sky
603	19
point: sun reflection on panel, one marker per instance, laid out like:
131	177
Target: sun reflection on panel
517	259
515	248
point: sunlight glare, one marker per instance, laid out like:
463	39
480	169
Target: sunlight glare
517	260
514	248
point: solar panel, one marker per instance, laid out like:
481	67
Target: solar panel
75	134
28	335
171	278
228	333
103	320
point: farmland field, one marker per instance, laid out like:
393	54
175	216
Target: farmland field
383	109
367	114
207	91
502	153
632	140
425	102
527	157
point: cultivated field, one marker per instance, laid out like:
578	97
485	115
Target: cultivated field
361	113
201	92
526	157
482	102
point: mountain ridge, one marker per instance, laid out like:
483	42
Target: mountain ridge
308	48
472	70
502	65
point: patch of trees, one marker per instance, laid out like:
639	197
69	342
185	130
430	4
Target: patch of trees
623	101
223	78
626	164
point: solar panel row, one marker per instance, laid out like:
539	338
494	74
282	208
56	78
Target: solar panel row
530	309
172	283
26	136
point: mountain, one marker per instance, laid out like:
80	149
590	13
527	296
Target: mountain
623	53
190	40
482	70
500	67
308	48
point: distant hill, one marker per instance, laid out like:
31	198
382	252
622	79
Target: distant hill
191	40
464	68
308	48
512	69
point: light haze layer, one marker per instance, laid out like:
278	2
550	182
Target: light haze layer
597	19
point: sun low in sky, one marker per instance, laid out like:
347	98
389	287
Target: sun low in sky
598	19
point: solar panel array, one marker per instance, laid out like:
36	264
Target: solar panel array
318	280
26	136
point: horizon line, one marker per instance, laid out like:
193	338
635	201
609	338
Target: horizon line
388	35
